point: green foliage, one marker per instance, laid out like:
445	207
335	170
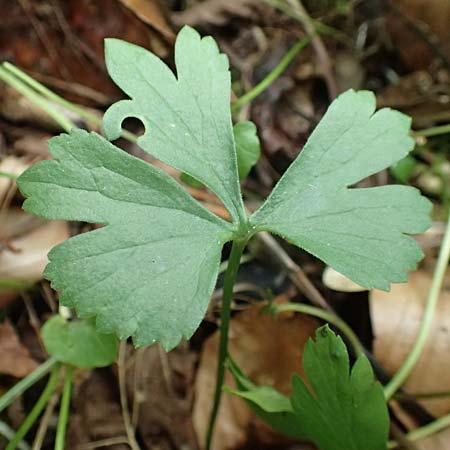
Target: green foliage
78	343
343	411
187	117
248	151
404	169
248	147
269	404
149	273
151	270
358	232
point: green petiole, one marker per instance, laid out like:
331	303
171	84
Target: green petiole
37	409
64	409
20	387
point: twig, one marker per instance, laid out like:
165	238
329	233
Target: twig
296	274
318	45
40	31
20	387
123	397
7	432
401	438
103	443
45	420
425	431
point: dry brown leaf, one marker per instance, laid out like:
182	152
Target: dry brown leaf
149	11
333	279
439	441
396	319
417	26
17	108
161	383
15	359
96	413
33	144
11	165
269	350
23	257
214	12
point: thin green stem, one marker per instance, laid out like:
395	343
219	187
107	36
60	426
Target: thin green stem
230	278
328	317
43	90
37	409
433	131
7	432
273	75
433	295
20	387
425	431
34	97
64	410
11	176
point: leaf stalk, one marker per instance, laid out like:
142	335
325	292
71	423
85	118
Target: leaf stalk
36	411
64	409
230	278
20	387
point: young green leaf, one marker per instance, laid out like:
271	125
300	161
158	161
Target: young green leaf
267	403
248	148
187	117
345	411
149	273
359	232
78	343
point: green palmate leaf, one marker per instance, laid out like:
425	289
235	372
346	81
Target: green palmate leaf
78	343
345	411
359	232
248	148
187	117
151	271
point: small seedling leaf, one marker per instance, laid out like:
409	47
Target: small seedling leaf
342	411
78	343
269	404
149	273
345	410
362	233
248	148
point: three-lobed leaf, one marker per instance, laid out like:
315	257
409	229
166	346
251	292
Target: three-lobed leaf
150	271
359	232
341	410
187	116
